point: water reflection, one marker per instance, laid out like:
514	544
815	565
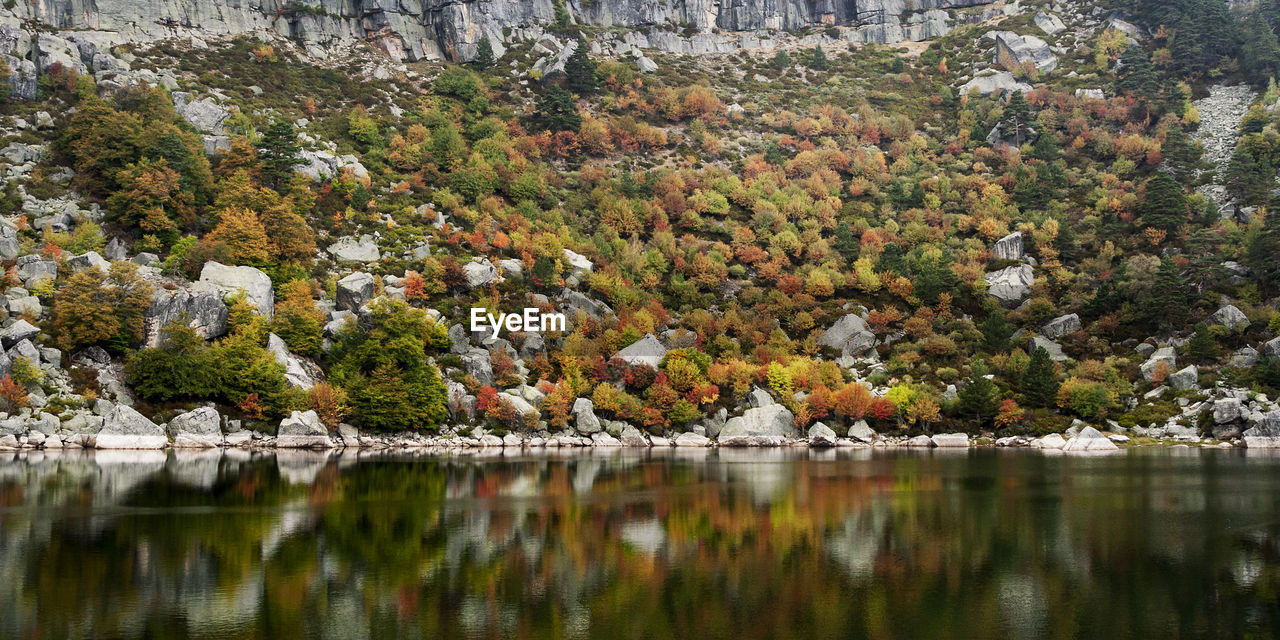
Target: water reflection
625	543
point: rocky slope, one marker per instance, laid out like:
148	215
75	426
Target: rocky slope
435	29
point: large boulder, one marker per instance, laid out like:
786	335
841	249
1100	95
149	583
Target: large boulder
579	265
1227	410
203	309
1014	51
1185	378
646	351
350	249
1060	326
1089	439
862	432
1164	355
950	441
584	416
303	430
1055	350
820	435
1050	24
17	332
998	82
692	440
296	372
1230	317
33	269
759	426
125	428
1051	441
479	365
479	273
1264	432
253	283
1011	284
850	335
199	428
1271	348
1009	247
1244	357
354	290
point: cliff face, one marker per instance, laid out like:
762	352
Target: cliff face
450	29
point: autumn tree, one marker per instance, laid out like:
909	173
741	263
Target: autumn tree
241	235
151	200
101	308
383	367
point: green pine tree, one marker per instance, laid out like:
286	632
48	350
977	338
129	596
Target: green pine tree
819	60
979	399
1263	252
278	151
484	54
1202	347
1136	76
580	71
557	111
1181	153
996	332
781	59
1040	384
1164	206
1169	296
1016	120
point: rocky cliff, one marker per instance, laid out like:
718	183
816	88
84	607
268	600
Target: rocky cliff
450	29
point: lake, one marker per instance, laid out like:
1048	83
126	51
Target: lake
624	544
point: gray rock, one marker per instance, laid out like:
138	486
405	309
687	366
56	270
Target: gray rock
26	306
579	265
1089	440
919	442
18	332
296	372
125	428
646	351
350	249
850	335
862	432
1165	355
584	416
759	398
1051	441
1227	410
1060	326
479	365
1185	378
88	260
770	421
820	435
1230	317
1049	23
33	269
1014	51
1244	357
202	308
1009	247
1263	431
1271	348
199	428
998	82
692	440
355	290
479	273
255	284
951	441
1011	284
1054	349
303	430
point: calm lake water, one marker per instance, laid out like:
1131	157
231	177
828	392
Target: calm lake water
622	544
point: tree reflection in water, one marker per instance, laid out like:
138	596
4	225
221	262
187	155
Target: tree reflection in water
623	544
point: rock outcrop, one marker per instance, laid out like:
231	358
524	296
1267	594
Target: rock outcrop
849	335
125	428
